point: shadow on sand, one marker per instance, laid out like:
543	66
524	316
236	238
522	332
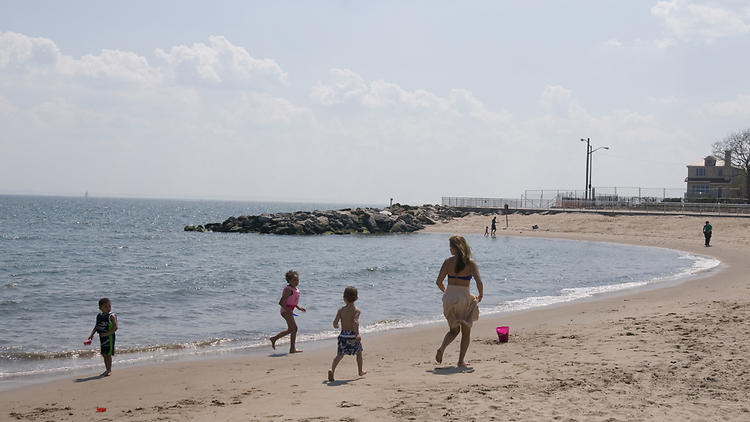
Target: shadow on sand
95	377
450	370
338	382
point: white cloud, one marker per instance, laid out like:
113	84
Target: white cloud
344	86
219	62
690	21
614	43
40	57
129	126
18	50
113	65
347	87
738	107
559	101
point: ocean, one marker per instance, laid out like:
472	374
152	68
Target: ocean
184	294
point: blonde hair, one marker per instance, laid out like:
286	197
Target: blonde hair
463	251
290	275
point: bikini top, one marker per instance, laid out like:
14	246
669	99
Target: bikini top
467	278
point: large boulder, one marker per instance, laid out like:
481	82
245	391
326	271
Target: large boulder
367	220
384	221
400	226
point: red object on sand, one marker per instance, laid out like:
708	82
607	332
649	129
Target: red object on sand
101	409
502	334
87	342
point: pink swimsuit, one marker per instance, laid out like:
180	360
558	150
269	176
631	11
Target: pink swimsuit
292	300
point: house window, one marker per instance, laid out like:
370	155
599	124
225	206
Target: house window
700	172
721	172
698	189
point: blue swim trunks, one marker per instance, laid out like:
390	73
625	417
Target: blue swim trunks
348	343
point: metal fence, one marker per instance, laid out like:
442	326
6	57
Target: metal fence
605	198
473	202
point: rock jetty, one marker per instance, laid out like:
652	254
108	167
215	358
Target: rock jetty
394	219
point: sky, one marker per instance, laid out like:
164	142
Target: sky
361	101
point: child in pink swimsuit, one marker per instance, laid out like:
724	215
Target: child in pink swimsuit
288	303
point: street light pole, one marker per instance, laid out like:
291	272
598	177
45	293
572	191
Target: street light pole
591	168
588	154
591	165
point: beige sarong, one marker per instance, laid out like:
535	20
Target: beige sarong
459	306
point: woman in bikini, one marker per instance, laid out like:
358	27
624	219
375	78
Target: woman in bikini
460	307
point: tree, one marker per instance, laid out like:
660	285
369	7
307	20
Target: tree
738	145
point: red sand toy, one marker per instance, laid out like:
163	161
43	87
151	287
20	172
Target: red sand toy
502	334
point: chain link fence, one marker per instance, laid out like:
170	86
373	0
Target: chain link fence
606	198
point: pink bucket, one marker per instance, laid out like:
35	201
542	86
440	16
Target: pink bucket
502	334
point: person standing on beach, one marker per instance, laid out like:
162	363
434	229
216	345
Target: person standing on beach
349	342
288	302
106	325
707	231
494	226
460	307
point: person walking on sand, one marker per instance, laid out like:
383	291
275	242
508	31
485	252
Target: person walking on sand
460	307
106	325
288	302
707	231
494	225
349	342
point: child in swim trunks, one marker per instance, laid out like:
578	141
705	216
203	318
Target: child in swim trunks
350	343
288	303
106	325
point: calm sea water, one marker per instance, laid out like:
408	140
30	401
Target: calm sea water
182	293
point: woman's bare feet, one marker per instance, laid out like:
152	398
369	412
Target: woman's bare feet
462	364
362	373
330	376
439	356
273	343
295	351
105	374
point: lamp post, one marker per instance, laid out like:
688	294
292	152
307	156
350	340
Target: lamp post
591	167
588	153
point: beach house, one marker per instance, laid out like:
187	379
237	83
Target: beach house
713	179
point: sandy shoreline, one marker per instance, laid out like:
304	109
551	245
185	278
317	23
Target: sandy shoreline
676	353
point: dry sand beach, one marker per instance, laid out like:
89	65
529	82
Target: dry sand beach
673	353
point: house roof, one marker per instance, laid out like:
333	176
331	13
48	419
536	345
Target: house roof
702	162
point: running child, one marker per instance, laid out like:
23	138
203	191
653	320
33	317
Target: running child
288	303
106	325
350	343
